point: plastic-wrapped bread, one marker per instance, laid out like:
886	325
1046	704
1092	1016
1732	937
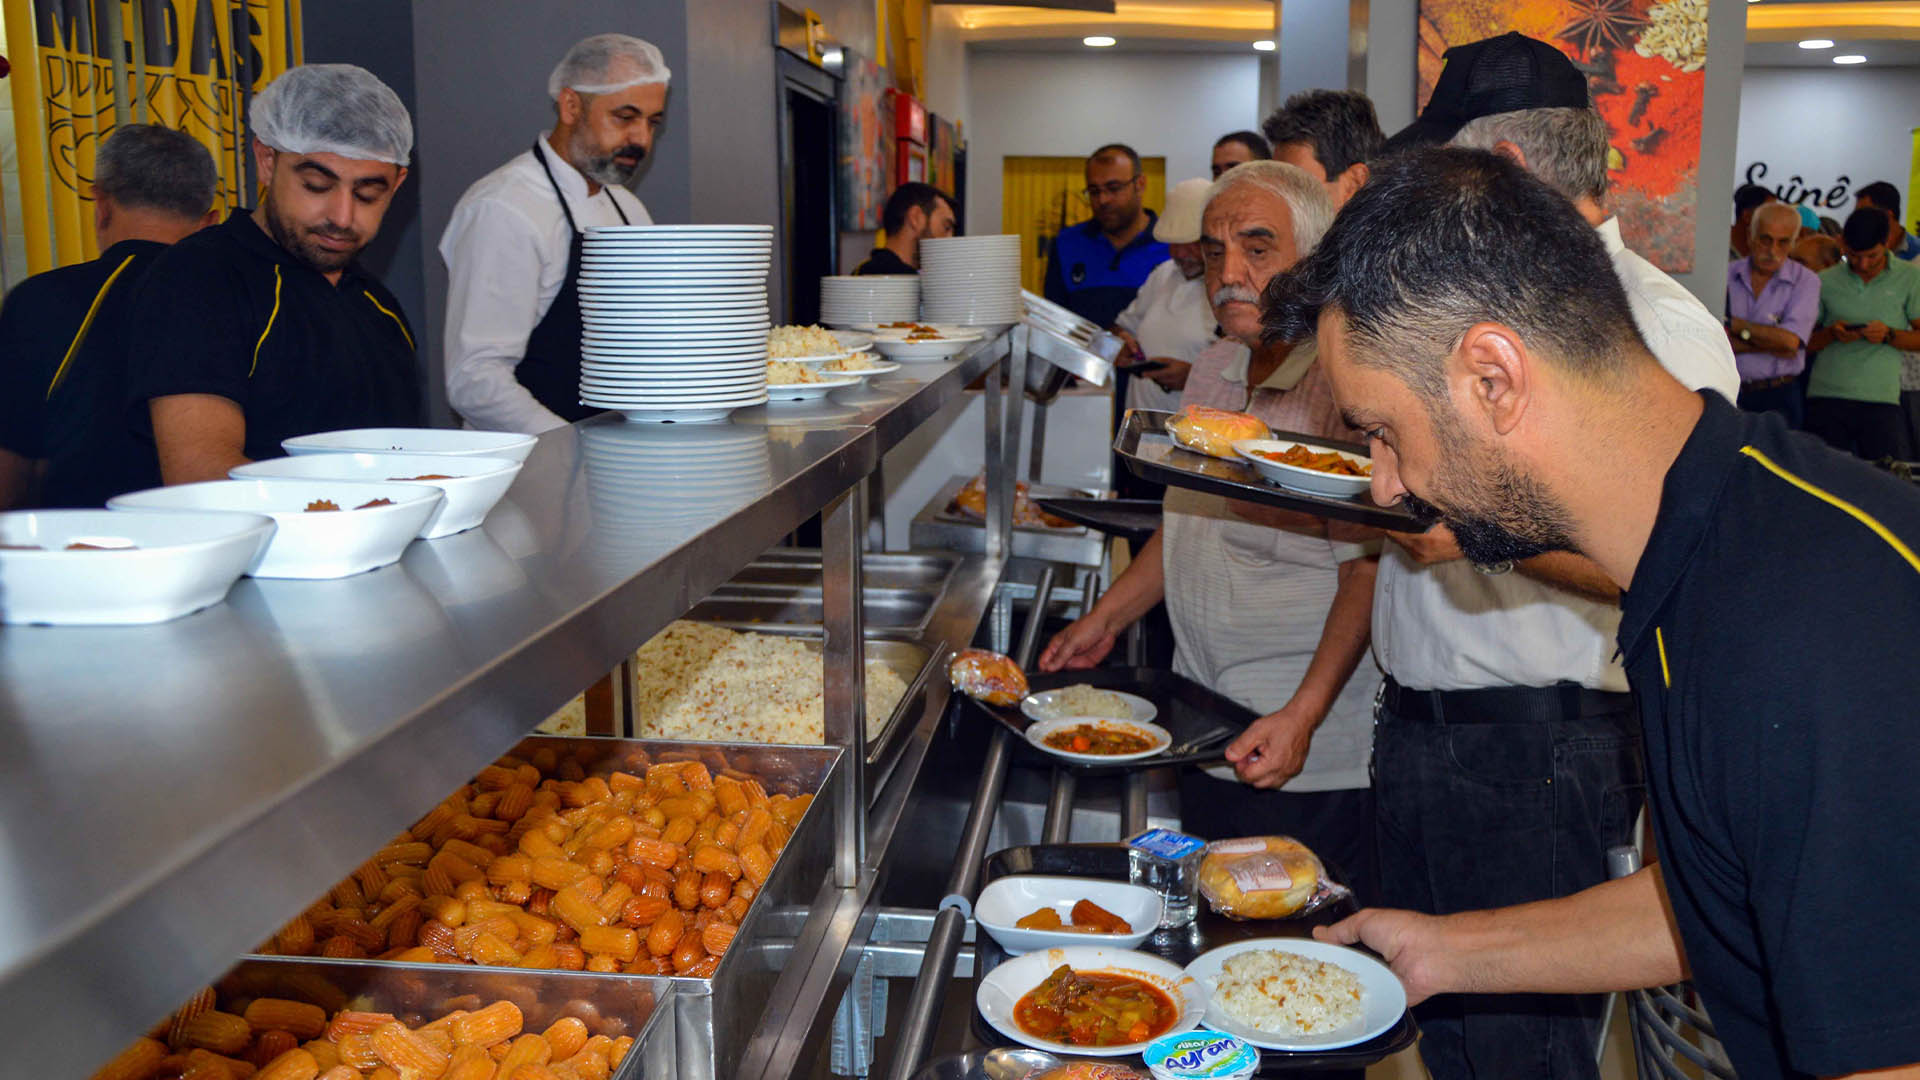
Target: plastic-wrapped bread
1265	877
988	676
1214	431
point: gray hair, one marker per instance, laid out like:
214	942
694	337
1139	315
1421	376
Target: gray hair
1306	198
146	166
1774	209
1566	147
606	64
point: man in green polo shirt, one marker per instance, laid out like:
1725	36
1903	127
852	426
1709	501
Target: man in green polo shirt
1868	307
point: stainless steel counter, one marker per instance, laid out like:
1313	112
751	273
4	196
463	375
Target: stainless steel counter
170	794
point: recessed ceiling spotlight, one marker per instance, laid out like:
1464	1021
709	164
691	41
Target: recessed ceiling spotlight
1098	41
1263	45
1850	58
1817	43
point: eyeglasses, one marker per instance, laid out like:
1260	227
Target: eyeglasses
1112	189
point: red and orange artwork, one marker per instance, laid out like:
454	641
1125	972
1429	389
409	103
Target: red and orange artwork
1644	63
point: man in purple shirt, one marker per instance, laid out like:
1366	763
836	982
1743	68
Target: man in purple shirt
1772	302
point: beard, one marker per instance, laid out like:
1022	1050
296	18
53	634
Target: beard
1497	513
605	168
300	241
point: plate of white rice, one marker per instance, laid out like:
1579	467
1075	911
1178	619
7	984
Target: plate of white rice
1082	699
804	344
698	681
1298	994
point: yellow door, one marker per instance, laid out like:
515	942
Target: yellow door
1039	196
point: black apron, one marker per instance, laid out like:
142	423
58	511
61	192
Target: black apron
550	370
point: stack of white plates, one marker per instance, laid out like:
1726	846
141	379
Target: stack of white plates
675	319
971	280
872	298
645	479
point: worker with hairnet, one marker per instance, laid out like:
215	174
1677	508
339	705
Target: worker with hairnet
264	327
512	248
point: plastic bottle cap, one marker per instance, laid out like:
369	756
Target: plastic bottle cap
1194	1054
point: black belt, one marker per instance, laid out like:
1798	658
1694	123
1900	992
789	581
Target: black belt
1500	704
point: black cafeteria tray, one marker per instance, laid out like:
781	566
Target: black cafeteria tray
1152	454
1135	520
1209	931
1200	721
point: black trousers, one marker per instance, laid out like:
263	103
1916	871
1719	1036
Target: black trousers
1491	798
1865	429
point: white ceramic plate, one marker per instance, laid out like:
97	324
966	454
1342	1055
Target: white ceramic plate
853	340
807	391
458	442
323	544
1035	706
1300	478
911	352
808	360
1010	899
1003	987
1040	729
180	562
1383	1000
714	351
687	414
612	399
879	367
472	486
668	381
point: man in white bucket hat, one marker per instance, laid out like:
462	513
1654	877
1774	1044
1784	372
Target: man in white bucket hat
1170	320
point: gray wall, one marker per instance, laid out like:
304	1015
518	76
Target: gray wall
1312	45
481	71
378	35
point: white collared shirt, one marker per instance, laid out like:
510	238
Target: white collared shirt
1169	316
1450	627
506	250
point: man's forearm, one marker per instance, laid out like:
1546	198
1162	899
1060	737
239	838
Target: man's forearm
1908	340
1575	573
1617	935
1134	592
1775	339
1343	639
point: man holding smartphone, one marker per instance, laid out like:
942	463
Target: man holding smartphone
1868	307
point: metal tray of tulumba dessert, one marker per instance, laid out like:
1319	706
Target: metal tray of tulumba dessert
1151	454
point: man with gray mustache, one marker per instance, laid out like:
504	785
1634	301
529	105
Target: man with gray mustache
1269	608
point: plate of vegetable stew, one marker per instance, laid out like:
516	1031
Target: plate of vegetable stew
1098	740
1089	1001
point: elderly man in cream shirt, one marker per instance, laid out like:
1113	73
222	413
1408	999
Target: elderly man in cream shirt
1170	319
512	247
1269	609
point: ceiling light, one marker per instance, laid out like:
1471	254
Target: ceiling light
1097	41
1850	58
1263	45
1817	43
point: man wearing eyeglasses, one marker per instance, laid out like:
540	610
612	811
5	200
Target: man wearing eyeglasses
1096	266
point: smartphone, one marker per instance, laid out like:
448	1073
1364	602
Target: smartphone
1855	326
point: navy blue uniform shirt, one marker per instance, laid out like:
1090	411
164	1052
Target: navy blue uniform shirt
1769	637
63	377
1088	277
228	311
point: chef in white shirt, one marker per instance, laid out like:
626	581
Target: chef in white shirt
512	248
1170	319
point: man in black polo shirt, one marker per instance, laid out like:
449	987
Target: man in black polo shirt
264	327
63	334
913	212
1471	324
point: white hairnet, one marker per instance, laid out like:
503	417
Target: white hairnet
606	63
333	109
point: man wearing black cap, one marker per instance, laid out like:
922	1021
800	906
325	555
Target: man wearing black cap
1507	752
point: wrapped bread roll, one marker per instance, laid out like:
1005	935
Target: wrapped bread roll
988	676
1265	877
1214	431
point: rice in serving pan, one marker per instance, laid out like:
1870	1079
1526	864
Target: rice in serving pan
1287	993
1084	700
695	681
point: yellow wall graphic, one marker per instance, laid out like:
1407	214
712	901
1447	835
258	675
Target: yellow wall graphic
1041	195
83	67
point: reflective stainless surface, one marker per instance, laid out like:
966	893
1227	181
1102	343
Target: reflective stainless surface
889	609
169	794
921	571
938	526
